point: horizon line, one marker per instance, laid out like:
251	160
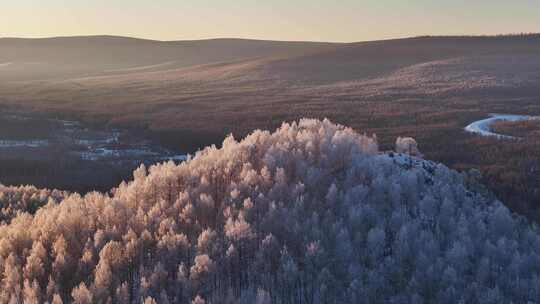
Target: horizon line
502	35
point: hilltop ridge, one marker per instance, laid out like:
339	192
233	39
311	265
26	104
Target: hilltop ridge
310	211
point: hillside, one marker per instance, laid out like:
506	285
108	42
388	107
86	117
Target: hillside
311	213
189	94
221	86
15	200
65	57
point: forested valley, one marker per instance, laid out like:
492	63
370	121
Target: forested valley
311	213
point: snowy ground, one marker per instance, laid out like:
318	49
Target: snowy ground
70	138
483	127
23	143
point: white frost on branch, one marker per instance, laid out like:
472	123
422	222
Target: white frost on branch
311	213
407	145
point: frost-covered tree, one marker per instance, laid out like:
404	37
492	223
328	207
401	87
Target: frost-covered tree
407	145
14	200
311	213
81	295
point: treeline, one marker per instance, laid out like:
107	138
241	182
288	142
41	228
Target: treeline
312	213
25	199
510	168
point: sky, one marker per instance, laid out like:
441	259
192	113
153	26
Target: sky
314	20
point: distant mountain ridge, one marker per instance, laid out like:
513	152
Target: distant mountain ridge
190	94
66	57
219	86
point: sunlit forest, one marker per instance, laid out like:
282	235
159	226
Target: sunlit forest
311	213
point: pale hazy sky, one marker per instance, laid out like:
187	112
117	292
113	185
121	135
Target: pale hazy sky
318	20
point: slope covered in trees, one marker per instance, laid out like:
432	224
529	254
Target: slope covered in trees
311	213
27	199
190	94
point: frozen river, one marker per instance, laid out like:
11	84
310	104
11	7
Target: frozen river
65	154
483	126
39	137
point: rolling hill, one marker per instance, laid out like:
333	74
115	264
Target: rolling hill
233	85
64	57
189	94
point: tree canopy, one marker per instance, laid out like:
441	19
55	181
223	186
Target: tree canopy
312	213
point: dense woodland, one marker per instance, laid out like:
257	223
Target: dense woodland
190	94
520	129
509	167
311	213
25	199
